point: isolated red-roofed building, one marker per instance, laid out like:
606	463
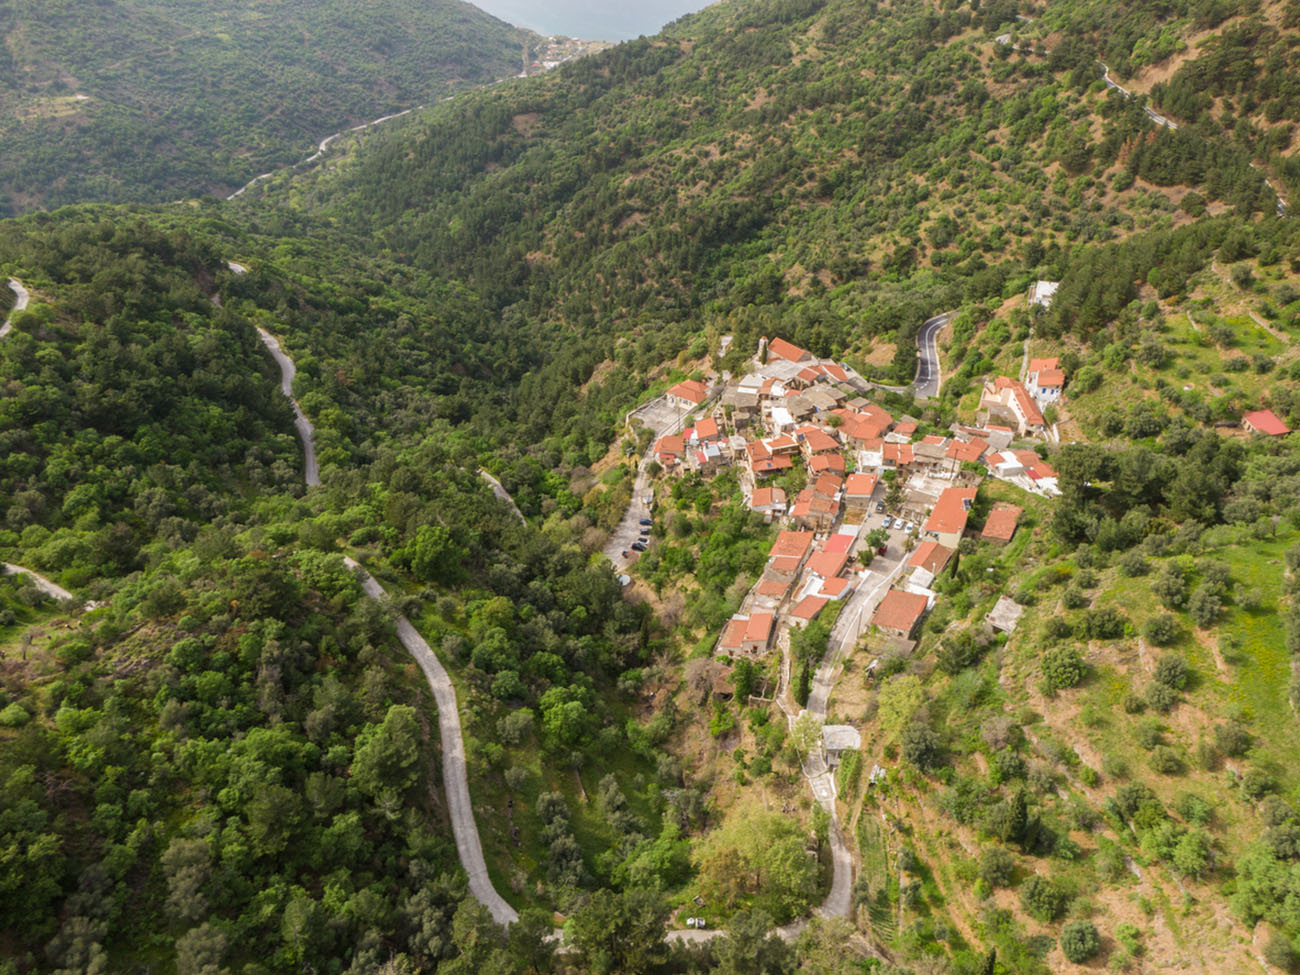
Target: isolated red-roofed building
1266	422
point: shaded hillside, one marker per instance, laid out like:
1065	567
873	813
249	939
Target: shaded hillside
813	164
143	100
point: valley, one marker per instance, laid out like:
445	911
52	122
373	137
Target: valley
813	490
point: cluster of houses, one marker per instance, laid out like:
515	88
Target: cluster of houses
1021	405
805	572
795	406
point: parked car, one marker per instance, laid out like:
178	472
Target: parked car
889	522
646	521
880	506
638	546
910	528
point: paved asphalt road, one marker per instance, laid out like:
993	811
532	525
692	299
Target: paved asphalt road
629	528
844	637
19	304
455	778
929	377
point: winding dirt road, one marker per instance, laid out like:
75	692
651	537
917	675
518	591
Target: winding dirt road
321	148
455	776
502	494
306	432
51	589
20	302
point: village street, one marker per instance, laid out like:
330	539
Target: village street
664	420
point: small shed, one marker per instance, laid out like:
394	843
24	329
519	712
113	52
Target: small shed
838	738
1005	615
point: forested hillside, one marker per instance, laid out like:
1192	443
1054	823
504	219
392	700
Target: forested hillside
144	100
226	764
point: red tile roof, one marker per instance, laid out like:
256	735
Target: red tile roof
692	390
1028	409
860	485
811	374
707	429
930	556
809	607
766	497
906	428
792	543
950	511
734	633
971	451
834	588
670	445
772	587
827	462
785	564
1034	466
838	543
1050	379
828	564
835	372
781	349
759	629
1266	422
828	484
900	454
1001	523
900	610
1038	365
783	444
817	440
772	464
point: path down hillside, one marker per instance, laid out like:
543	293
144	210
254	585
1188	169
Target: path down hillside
455	778
306	432
51	589
503	495
821	778
19	304
321	148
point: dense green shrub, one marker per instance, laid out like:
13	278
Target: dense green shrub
1080	941
1042	898
1062	667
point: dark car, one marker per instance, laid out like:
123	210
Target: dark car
646	521
880	506
638	546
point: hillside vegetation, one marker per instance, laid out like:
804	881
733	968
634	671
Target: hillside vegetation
144	100
229	767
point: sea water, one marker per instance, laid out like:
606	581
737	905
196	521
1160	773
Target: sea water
591	20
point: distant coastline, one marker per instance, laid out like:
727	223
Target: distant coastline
604	20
